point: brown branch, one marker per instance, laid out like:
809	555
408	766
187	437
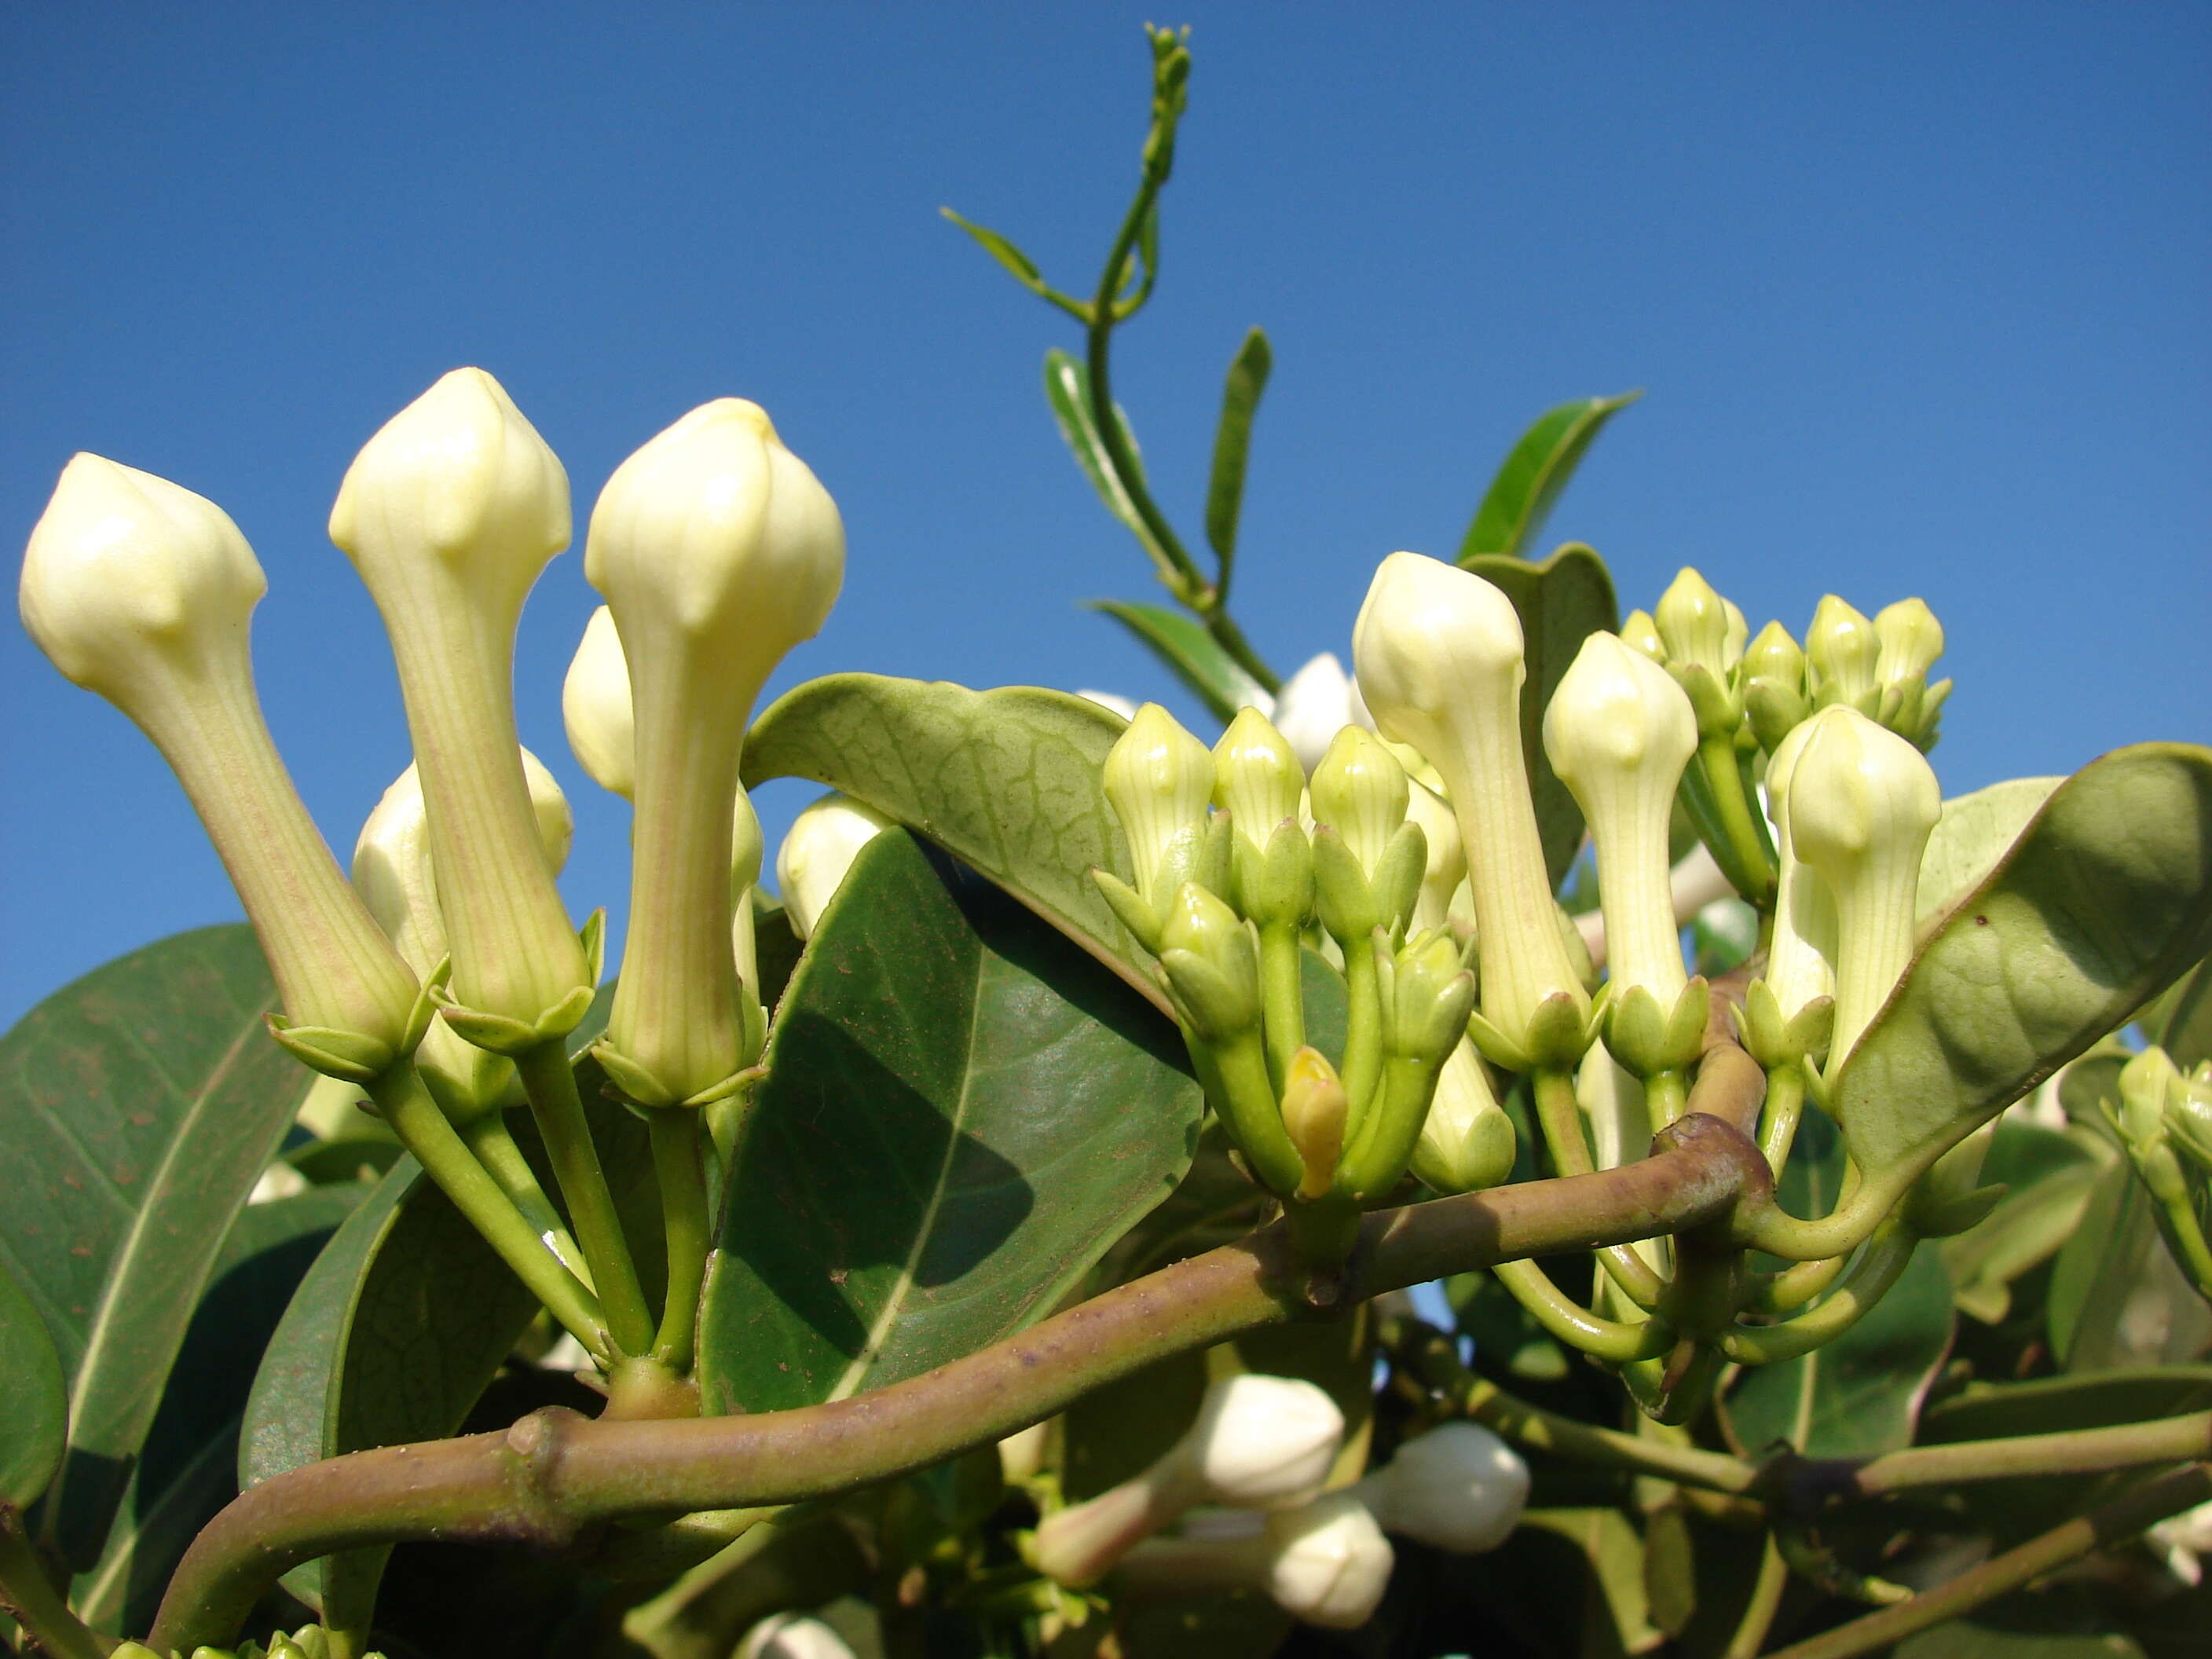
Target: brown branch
554	1475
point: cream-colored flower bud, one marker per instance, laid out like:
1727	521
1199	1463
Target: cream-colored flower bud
1843	652
1158	779
1467	1139
1458	1488
1640	633
718	551
1314	1108
792	1636
1696	625
1439	651
595	707
449	513
818	853
1619	732
1330	1561
1259	1443
2147	1083
144	591
1862	802
1446	871
1257	777
1315	704
1910	640
393	871
1359	790
1800	958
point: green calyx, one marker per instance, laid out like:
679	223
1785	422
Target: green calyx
1774	1042
1647	1039
1559	1034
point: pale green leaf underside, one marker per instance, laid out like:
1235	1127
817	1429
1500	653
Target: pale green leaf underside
1972	835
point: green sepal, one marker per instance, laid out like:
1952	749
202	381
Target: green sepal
1719	710
1129	908
1398	873
1775	710
752	1019
502	1035
1482	1156
1282	890
1344	902
1496	1047
1775	1042
641	1088
1214	1005
1563	1028
592	936
1428	995
1948	1217
348	1056
1647	1040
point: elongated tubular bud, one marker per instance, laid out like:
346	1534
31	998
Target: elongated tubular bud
1439	651
449	513
1259	1443
718	552
144	591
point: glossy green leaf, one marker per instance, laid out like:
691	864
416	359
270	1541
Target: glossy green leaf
1068	391
1972	835
1005	781
403	1321
2051	1405
1018	265
1232	442
36	1421
1561	602
2104	898
961	1114
2049	1175
188	1468
1194	656
2117	1300
1861	1394
138	1107
2187	1031
1527	485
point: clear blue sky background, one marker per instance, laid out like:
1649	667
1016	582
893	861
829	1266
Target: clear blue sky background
1921	297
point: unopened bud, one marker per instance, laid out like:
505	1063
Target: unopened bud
1314	1111
1842	652
1911	640
1330	1561
596	710
1315	704
1212	961
1360	791
1158	779
1696	626
1256	777
1466	1140
792	1636
1774	685
1640	633
1458	1488
818	853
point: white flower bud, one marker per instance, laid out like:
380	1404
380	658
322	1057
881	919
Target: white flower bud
144	591
1800	958
1259	1443
1315	704
595	707
1458	1488
789	1636
1862	802
1467	1139
449	513
1446	871
1158	779
1331	1563
1439	656
1257	778
718	551
1619	732
813	862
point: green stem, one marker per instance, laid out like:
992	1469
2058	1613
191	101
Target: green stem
493	1144
550	1082
2123	1519
438	1147
1765	1601
1572	1323
1363	1033
1560	1117
545	1480
679	1161
30	1598
1794	1286
1732	808
2072	1451
1867	1280
1665	1097
1282	994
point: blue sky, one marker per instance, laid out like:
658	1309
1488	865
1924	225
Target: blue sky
1920	298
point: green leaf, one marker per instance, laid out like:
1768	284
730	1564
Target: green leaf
1232	440
32	1428
1194	656
1561	602
1005	781
402	1321
1522	495
2117	1300
1972	835
2106	896
188	1469
961	1114
2050	1176
1859	1395
2090	1400
2186	1034
1067	390
138	1107
1018	264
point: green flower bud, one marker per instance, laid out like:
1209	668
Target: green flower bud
1360	791
1256	778
1862	802
595	707
1842	652
1774	685
1428	994
1697	627
1911	639
1314	1107
1466	1140
818	851
449	513
1619	732
2147	1083
1157	780
2188	1116
718	551
144	591
1439	651
393	871
1640	633
1210	959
